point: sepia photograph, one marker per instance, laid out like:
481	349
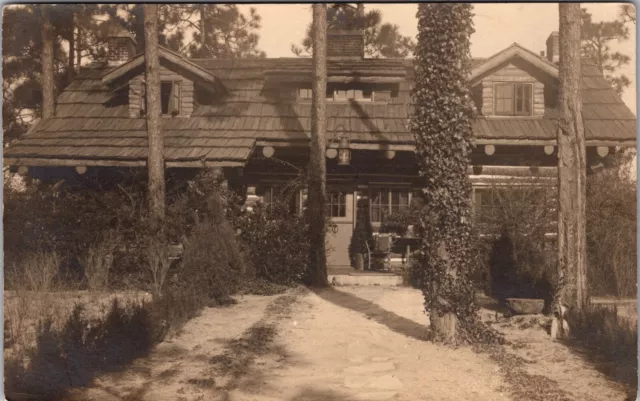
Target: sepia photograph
319	202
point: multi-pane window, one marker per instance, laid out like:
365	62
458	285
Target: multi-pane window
340	94
485	206
385	201
169	98
291	198
513	99
344	95
337	204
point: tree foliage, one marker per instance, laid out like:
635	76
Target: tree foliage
80	35
441	123
221	30
628	13
597	38
380	40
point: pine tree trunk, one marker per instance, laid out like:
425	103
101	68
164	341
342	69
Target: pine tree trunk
79	49
317	160
155	160
48	103
572	286
72	49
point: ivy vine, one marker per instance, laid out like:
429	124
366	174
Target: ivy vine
442	117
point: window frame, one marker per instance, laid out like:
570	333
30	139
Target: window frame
526	87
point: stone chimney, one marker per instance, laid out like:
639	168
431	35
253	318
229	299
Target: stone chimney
121	46
553	47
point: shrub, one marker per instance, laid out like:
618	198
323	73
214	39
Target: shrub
97	261
521	262
276	242
612	231
37	272
157	254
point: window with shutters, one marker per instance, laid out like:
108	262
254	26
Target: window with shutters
513	99
169	98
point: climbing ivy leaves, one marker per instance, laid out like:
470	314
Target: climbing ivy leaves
442	126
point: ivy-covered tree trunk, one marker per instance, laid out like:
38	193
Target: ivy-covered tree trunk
572	268
155	159
317	159
441	123
48	102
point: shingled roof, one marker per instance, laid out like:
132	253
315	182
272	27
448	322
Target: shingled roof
91	129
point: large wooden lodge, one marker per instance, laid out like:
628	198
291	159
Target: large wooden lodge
246	116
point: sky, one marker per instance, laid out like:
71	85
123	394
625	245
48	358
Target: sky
497	26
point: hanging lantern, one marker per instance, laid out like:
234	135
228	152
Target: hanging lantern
344	153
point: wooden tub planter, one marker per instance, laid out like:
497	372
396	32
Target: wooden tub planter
525	306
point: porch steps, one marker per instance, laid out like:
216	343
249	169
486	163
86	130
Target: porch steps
349	276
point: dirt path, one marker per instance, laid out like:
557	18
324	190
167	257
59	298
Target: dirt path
344	344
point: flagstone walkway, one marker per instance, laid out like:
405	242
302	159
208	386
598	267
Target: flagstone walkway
342	344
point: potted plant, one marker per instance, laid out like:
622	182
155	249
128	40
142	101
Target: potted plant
362	237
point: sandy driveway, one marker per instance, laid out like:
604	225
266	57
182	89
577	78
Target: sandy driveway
347	343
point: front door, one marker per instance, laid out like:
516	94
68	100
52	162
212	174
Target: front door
340	208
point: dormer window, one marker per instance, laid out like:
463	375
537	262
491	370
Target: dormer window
169	98
513	99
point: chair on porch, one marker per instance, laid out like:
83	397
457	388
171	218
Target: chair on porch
381	253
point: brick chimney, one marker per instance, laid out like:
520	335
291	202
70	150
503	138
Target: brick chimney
345	45
553	47
121	46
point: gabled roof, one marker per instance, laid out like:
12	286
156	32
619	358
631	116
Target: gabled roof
164	54
515	50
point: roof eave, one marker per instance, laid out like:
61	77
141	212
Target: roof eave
506	55
169	56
